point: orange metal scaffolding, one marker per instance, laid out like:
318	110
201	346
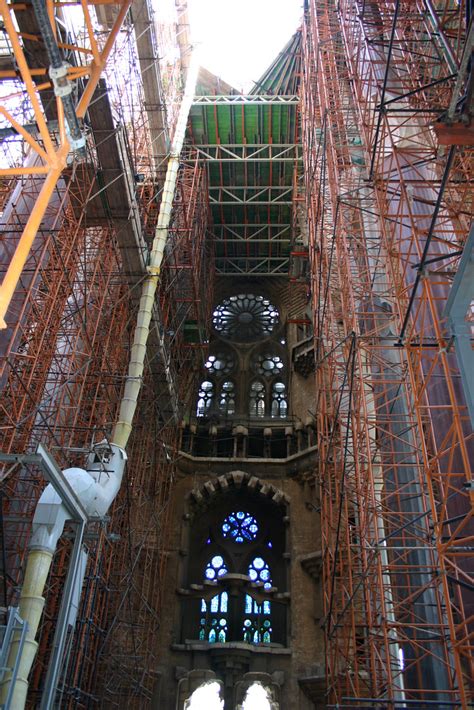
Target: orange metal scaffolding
48	153
63	362
394	433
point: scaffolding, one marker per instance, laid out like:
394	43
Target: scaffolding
388	213
64	352
187	279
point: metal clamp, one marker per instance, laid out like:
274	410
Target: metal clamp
61	84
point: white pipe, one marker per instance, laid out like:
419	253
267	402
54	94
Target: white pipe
136	367
96	488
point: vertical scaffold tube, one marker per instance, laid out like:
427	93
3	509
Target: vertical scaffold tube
40	556
133	382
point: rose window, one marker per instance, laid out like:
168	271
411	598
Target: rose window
245	317
240	527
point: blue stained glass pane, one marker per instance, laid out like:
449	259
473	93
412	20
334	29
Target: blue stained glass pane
267	624
256	609
208	541
255	637
258	563
212	636
266	607
248	604
210	573
267	585
247	623
265	575
266	637
240	526
217	561
269	544
202	635
252	574
224	601
221	572
222	622
215	603
222	636
203	605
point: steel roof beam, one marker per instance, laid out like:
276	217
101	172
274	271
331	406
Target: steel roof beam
256	266
246	100
226	240
250	232
248	152
256	195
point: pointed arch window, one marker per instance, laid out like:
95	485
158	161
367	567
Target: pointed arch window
279	402
205	398
257	399
256	697
257	619
236	555
227	398
207	695
213	623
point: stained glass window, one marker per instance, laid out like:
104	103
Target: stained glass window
227	398
268	365
245	317
257	620
205	398
260	572
257	399
279	403
220	364
215	568
252	619
240	527
213	617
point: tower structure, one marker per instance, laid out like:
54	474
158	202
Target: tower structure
262	302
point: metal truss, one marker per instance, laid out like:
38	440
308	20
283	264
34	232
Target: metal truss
251	195
229	233
252	266
246	100
256	153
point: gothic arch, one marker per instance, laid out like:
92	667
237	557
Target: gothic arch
205	494
213	528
